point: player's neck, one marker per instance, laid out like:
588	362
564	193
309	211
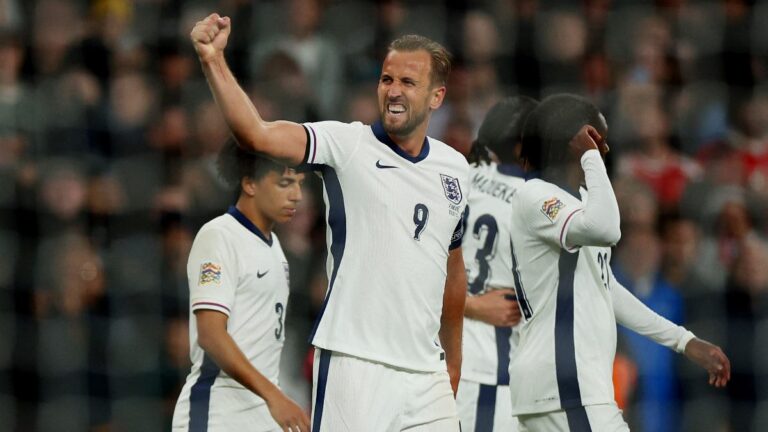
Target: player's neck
257	218
566	177
412	143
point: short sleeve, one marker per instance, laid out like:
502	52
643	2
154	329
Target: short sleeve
211	272
458	233
331	143
548	211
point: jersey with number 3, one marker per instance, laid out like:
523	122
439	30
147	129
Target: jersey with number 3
392	219
488	260
233	269
567	342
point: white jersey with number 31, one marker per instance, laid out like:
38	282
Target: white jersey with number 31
566	346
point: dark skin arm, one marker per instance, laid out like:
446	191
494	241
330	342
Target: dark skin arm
452	319
219	345
711	358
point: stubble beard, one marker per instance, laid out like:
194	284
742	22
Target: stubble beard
411	123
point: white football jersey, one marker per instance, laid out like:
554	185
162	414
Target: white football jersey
233	269
567	342
392	219
488	260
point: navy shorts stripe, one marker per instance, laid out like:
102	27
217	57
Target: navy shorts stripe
200	396
502	352
565	352
322	381
486	408
578	420
337	223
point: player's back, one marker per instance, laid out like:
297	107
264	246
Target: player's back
390	217
234	270
488	260
567	341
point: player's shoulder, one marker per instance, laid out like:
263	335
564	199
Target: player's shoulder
537	190
335	126
220	226
448	155
217	234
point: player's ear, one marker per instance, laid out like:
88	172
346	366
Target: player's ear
248	185
438	94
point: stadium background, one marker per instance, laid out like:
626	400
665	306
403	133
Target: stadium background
108	135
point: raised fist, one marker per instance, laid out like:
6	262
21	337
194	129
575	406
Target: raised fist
209	36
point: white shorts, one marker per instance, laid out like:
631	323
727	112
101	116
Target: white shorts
591	418
352	395
222	409
485	408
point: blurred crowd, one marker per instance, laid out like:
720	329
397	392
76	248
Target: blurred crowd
108	136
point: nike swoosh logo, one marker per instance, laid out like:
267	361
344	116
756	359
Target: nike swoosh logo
261	275
379	165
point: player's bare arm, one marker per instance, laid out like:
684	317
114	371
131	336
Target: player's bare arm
496	307
636	316
217	343
710	357
452	319
282	140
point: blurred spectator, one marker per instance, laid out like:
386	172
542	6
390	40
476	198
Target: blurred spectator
317	56
747	294
70	284
637	267
282	81
653	160
562	45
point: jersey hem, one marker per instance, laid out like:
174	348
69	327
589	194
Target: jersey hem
481	380
391	362
556	406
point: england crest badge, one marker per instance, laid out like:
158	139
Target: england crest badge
451	188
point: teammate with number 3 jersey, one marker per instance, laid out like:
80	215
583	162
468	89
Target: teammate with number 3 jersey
491	311
238	281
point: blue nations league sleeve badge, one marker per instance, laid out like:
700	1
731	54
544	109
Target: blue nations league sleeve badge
451	188
210	274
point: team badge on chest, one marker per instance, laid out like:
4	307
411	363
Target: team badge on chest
451	188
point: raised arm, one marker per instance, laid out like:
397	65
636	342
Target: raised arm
452	319
219	345
636	316
598	223
282	140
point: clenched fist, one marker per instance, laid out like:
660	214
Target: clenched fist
209	36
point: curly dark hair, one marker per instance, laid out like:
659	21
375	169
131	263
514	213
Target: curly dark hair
235	162
501	130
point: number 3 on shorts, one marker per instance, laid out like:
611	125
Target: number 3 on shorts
420	218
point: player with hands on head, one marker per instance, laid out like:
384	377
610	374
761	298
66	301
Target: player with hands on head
238	279
491	309
393	310
564	222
